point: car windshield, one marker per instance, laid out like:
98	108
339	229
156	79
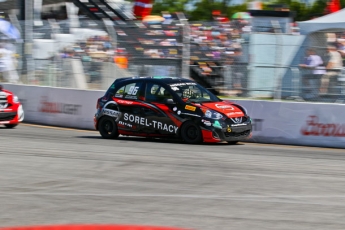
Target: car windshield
193	92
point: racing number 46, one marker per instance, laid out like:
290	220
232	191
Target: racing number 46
133	90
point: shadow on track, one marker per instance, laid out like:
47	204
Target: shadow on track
152	140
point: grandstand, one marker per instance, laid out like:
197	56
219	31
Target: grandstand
150	48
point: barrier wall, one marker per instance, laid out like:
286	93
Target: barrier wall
57	106
297	123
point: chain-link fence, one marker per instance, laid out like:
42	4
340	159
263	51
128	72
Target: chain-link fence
277	66
94	54
227	58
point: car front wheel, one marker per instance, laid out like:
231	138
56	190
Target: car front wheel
11	126
191	133
108	128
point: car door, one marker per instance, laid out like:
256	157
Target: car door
126	98
157	112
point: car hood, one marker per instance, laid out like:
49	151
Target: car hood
6	92
225	107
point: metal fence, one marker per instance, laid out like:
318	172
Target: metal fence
285	67
93	55
227	58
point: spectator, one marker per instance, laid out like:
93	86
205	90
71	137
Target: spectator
334	65
8	65
341	49
313	70
238	69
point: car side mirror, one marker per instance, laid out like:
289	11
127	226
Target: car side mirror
169	101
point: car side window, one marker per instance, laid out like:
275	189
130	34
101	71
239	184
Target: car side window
156	93
129	91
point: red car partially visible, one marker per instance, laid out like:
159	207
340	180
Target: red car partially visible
11	110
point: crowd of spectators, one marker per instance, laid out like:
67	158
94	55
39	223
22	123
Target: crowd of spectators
217	40
321	69
152	40
217	51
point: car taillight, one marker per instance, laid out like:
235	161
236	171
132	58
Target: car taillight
98	105
101	101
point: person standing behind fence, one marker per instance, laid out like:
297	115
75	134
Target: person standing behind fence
314	69
238	70
333	67
7	65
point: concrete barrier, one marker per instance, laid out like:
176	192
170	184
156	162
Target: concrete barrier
296	123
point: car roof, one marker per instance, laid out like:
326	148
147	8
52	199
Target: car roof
166	80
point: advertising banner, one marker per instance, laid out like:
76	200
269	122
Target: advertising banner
297	123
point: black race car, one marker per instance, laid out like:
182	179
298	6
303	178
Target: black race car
169	107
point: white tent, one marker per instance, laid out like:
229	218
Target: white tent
330	22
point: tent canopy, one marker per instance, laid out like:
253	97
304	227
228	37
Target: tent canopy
330	22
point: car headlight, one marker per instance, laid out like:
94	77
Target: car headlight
15	99
213	114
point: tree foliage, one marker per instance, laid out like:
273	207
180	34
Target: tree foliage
201	10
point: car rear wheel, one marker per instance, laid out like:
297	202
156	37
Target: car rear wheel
232	142
191	133
108	128
11	126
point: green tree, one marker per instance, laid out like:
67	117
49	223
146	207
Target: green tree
300	9
201	10
170	5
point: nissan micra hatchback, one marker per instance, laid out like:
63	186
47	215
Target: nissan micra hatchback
11	110
169	108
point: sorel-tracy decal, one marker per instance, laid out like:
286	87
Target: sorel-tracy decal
149	123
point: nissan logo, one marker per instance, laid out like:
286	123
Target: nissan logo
237	120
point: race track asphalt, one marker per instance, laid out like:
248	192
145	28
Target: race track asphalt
60	176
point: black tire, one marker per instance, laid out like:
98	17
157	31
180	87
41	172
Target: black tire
232	142
191	133
108	128
11	126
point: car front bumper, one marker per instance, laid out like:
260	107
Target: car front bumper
226	131
233	133
8	117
